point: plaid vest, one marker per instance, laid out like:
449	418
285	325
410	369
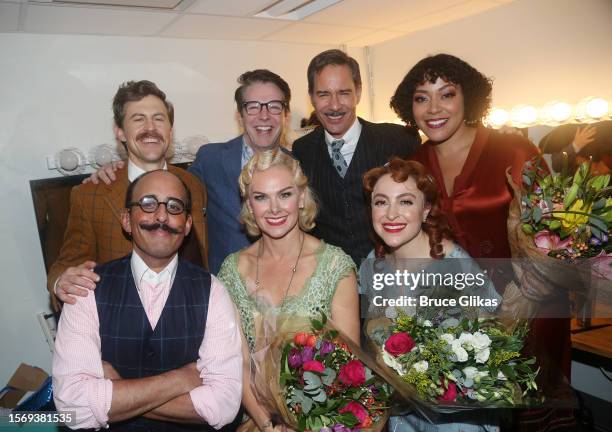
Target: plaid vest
130	344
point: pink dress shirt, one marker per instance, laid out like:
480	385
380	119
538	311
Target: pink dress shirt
78	379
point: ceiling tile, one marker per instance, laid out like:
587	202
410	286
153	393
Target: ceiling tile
216	27
9	17
239	8
317	34
380	15
373	38
446	15
103	20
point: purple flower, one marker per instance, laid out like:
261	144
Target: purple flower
340	428
326	348
595	241
294	359
307	354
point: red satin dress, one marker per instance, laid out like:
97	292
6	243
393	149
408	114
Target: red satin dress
477	211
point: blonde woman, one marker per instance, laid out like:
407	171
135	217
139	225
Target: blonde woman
286	270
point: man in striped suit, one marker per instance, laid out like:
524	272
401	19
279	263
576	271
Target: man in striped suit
143	123
157	345
335	156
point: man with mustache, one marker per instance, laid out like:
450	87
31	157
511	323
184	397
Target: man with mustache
335	156
143	123
262	109
157	345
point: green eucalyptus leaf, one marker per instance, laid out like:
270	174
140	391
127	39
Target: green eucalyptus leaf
554	225
329	375
599	204
320	397
537	214
527	180
311	379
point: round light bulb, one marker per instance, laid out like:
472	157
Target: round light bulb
523	116
597	108
498	117
560	112
69	160
102	156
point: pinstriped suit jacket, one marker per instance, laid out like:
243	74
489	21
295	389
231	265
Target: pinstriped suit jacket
342	219
94	229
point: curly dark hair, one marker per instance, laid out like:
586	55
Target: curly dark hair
435	226
475	86
133	91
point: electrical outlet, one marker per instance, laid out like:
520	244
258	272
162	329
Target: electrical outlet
48	326
51	162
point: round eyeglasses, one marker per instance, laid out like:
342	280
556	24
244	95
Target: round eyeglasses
149	204
274	107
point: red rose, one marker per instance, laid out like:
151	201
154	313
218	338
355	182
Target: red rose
357	410
399	343
314	366
450	394
352	373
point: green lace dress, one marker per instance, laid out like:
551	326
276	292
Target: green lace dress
315	296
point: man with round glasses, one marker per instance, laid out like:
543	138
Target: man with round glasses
144	121
157	344
262	103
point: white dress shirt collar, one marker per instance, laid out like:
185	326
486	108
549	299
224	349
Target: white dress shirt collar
141	271
351	138
134	171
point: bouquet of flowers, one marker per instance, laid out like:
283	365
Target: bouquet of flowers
459	362
561	223
317	381
568	217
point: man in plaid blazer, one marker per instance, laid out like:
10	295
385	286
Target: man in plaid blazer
143	123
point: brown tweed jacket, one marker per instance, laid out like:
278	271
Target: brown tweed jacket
94	229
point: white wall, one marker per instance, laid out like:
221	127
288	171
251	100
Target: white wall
56	92
536	51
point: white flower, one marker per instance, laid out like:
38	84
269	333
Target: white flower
470	372
427	323
392	362
501	376
480	341
448	338
459	353
482	356
467	340
421	366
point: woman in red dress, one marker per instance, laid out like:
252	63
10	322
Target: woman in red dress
446	99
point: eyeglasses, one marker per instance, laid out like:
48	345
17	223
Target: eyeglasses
274	107
149	204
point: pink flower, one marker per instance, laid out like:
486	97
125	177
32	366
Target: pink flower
450	394
313	366
357	410
352	373
548	241
399	343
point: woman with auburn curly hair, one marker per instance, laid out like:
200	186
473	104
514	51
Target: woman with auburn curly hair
446	99
407	223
